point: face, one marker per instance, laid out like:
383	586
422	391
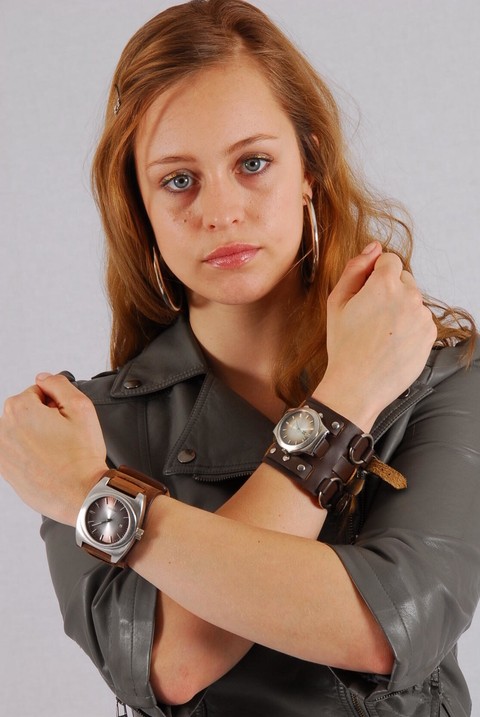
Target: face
222	180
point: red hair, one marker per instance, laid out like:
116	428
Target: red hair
172	46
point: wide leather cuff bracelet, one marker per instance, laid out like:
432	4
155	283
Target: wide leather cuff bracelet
323	452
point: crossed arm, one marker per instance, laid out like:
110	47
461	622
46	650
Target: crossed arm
258	574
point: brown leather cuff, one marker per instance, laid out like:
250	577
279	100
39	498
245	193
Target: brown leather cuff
331	476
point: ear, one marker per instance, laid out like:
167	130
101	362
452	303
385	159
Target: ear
307	186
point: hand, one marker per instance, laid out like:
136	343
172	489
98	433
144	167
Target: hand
51	447
379	335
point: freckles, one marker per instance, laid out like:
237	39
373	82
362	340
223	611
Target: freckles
178	217
186	216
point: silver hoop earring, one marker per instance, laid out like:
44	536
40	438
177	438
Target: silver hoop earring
315	250
165	294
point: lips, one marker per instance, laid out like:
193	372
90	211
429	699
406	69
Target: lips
231	256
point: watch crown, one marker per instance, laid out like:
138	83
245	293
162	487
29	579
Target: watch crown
139	534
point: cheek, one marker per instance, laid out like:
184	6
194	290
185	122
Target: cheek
167	225
285	213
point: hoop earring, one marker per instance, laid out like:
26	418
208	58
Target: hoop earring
315	250
165	294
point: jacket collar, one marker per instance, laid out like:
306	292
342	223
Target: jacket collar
172	357
216	411
176	356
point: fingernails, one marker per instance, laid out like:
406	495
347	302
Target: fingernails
370	247
42	376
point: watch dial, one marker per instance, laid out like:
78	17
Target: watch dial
297	428
107	520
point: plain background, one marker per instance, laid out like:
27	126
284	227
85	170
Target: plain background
407	75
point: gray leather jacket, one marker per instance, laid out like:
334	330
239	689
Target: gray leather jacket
414	555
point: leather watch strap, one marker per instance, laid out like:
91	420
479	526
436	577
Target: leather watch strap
328	474
124	478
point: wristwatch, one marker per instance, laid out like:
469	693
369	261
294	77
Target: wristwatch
322	451
301	430
111	518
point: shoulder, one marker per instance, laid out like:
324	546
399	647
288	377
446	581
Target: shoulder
448	361
454	382
447	385
171	358
445	424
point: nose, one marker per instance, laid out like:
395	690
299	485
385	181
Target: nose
221	205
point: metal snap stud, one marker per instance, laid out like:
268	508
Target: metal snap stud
187	455
132	383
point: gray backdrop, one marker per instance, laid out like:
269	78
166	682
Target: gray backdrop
407	74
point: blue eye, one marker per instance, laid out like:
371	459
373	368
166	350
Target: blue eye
178	182
255	165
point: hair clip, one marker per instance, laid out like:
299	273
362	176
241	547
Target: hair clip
117	104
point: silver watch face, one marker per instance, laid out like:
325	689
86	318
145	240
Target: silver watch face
298	428
301	430
107	520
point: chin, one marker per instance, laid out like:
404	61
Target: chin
244	291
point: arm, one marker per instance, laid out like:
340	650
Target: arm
417	560
39	489
215	578
347	328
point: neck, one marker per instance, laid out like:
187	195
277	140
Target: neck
242	344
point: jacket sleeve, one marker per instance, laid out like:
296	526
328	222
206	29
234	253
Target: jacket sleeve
416	561
110	613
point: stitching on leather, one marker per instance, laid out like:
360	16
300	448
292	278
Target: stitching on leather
197	408
143	439
400	410
153	387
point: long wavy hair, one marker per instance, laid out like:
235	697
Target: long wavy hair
174	45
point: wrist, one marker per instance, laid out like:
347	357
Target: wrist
323	452
80	489
354	406
112	516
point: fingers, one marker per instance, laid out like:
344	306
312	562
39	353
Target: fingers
389	270
355	274
407	278
52	391
60	392
29	401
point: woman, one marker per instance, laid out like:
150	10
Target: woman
249	273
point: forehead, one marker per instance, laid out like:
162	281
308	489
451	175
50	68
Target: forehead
215	107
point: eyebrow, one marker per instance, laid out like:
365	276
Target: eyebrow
174	158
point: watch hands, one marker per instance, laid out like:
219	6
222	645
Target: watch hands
299	428
102	522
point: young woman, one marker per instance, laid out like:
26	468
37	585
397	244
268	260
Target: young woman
207	565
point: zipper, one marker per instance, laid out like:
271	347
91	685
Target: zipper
357	706
122	710
223	477
390	694
435	691
356	520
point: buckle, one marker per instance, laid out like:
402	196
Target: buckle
323	491
358	443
